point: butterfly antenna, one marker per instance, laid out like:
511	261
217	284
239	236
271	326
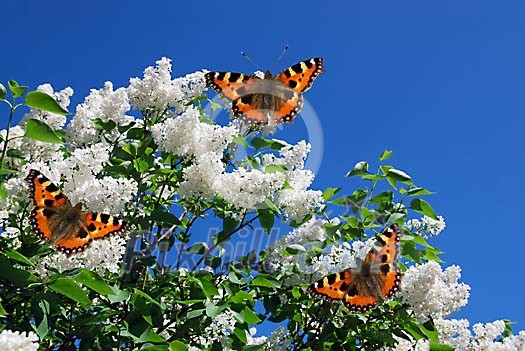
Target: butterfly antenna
282	53
250	60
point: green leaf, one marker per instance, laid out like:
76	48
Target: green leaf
3	92
68	288
266	281
329	193
3	312
212	310
14	153
423	207
38	130
240	141
418	191
271	205
266	218
42	101
359	168
15	255
146	296
249	316
385	196
16	90
241	334
215	106
161	216
294	249
42	329
18	277
275	168
106	125
209	289
399	175
385	155
93	281
199	248
178	346
260	143
440	347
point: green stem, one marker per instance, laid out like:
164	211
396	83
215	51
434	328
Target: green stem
9	121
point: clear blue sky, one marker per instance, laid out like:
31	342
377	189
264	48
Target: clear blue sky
439	82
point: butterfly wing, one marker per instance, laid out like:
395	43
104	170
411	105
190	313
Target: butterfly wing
96	226
101	225
258	109
358	290
53	218
301	76
383	260
43	192
230	85
332	287
46	197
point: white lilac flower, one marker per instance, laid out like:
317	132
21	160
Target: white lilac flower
219	330
305	235
200	179
106	104
486	337
18	341
248	188
408	345
427	226
186	135
103	256
432	292
158	92
255	340
279	340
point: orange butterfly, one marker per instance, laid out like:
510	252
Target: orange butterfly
379	275
272	100
68	227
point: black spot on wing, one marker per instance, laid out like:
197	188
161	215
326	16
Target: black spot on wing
384	268
343	286
42	179
308	64
47	212
292	83
91	227
105	218
380	241
49	202
247	99
352	291
115	221
384	258
234	77
331	278
59	196
82	233
297	68
51	188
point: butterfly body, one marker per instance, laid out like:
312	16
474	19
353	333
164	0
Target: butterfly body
271	100
54	219
377	276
